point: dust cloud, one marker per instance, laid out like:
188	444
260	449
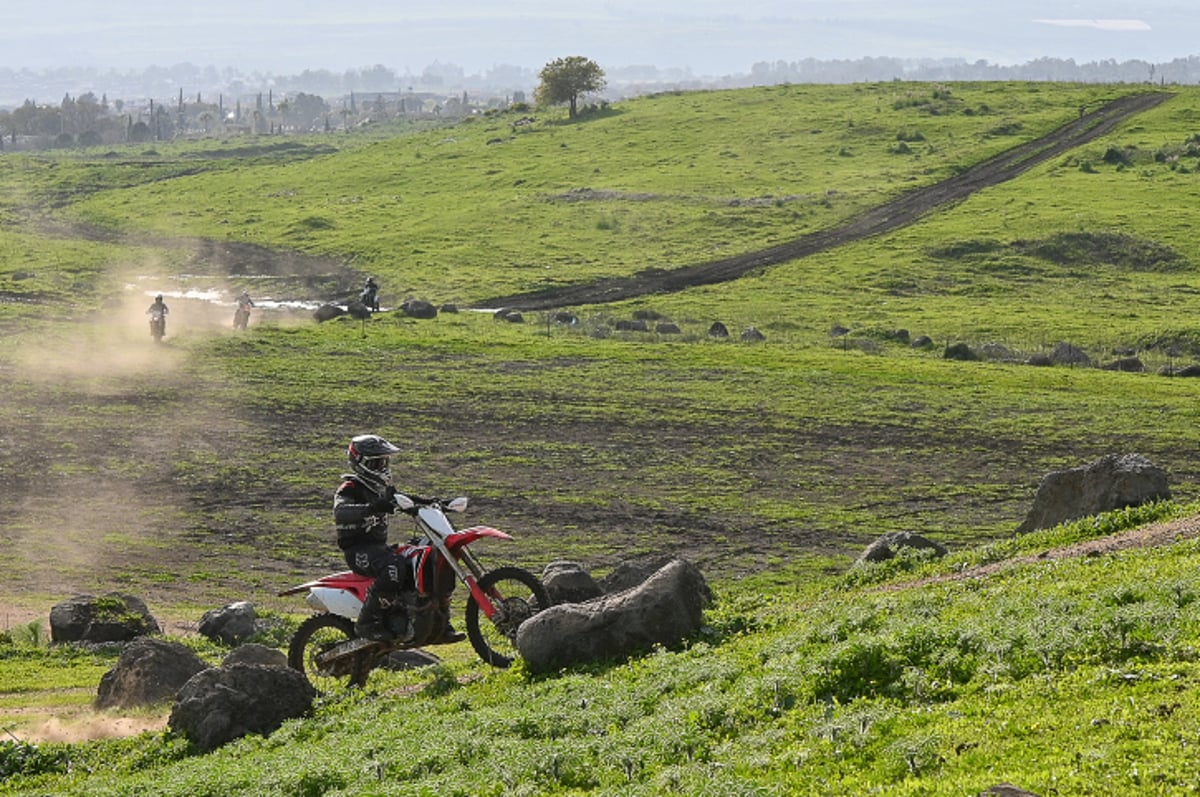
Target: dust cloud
89	727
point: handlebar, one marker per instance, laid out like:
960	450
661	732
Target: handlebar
411	504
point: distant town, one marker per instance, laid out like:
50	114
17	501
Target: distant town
75	107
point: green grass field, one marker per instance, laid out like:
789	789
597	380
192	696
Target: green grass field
199	472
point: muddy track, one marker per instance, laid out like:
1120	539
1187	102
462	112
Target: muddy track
900	212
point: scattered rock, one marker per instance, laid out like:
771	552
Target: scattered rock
1111	482
1006	790
1127	364
254	653
752	335
922	342
888	545
996	351
328	312
358	310
568	582
718	330
148	671
667	328
510	315
230	624
1067	354
959	351
416	308
220	704
110	618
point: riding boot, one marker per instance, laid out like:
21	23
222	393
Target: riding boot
448	633
371	624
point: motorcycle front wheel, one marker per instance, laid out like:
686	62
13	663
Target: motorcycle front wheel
321	633
516	595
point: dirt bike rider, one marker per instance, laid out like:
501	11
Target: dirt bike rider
370	295
158	312
361	506
244	303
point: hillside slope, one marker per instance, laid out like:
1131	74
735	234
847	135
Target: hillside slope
892	215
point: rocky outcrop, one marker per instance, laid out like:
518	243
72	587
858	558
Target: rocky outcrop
230	624
888	545
664	610
220	704
1111	482
109	618
148	671
568	582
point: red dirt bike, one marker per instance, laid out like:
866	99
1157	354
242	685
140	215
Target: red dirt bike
241	317
327	650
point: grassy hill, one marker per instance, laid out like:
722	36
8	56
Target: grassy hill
199	472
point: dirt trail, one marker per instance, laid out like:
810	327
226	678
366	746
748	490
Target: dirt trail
1154	534
900	212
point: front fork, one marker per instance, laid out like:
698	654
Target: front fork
469	570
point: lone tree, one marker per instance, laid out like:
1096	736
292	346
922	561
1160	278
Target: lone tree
564	79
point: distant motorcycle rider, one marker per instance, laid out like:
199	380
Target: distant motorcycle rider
241	316
370	295
361	506
158	314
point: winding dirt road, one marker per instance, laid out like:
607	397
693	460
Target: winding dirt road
900	212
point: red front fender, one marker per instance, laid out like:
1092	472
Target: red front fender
465	537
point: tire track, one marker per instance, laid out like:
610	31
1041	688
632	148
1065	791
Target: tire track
900	212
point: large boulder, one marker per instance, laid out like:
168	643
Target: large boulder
888	545
1111	482
221	704
328	312
230	624
417	308
664	610
109	618
148	671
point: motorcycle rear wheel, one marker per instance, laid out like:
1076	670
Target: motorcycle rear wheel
320	633
518	595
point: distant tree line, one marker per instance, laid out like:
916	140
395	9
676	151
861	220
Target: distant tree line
1060	70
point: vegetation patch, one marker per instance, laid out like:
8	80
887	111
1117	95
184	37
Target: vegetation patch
1075	249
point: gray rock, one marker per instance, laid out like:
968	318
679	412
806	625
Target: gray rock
888	545
230	624
148	671
254	653
568	582
417	308
664	610
1111	482
113	617
220	704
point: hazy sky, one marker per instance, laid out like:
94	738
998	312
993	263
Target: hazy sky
706	36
